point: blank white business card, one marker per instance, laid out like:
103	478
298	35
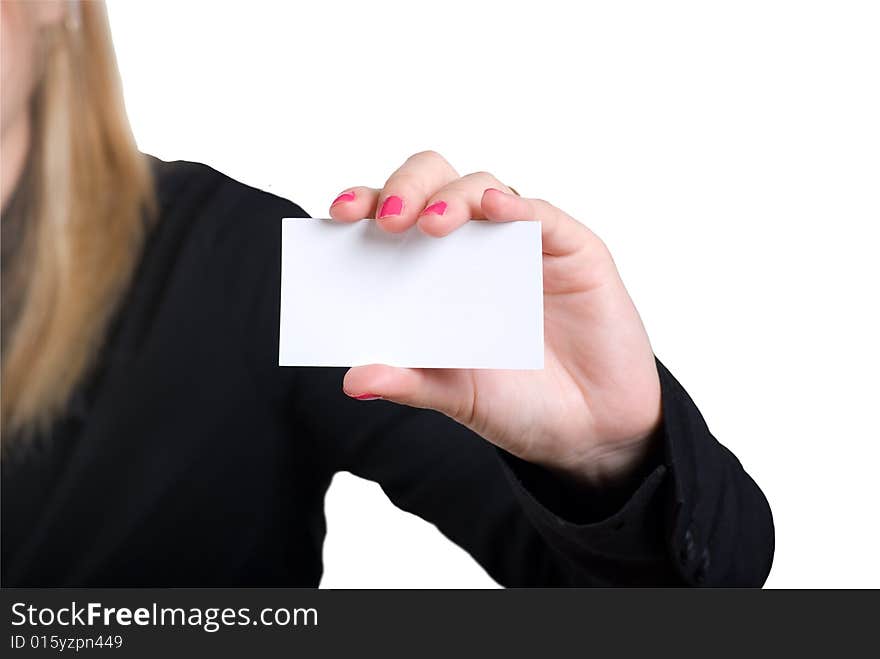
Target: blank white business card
353	294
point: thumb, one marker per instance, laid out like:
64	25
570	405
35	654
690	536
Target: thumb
449	391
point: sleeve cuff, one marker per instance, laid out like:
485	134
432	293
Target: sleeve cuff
691	508
580	525
719	524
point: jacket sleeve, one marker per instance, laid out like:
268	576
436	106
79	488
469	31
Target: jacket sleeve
693	512
692	516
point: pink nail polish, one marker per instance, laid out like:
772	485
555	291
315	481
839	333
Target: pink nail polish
393	205
367	397
437	208
345	196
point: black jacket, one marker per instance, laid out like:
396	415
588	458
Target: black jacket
190	458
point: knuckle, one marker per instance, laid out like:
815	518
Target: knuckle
427	154
542	207
405	181
482	174
600	246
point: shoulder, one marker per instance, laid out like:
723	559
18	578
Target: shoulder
204	214
191	189
212	260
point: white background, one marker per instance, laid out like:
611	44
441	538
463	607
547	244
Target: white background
729	154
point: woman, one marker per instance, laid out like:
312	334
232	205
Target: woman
150	439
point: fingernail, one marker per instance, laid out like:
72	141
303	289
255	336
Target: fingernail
367	397
391	206
345	196
437	208
494	189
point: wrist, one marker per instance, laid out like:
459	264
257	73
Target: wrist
616	465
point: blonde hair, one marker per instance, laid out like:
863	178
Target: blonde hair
88	197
